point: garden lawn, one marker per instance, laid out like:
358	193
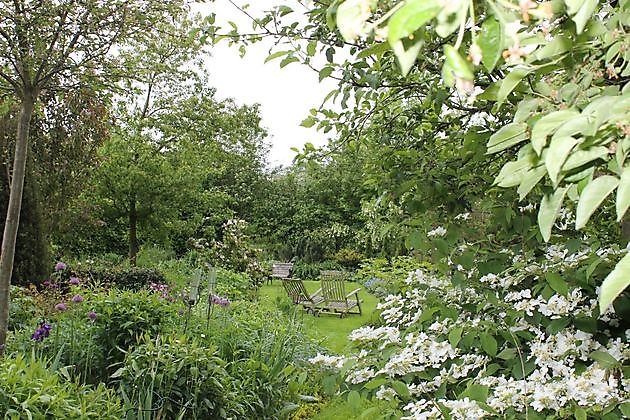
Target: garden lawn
330	330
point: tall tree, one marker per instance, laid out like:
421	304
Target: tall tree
51	45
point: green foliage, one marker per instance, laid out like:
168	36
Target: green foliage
349	258
381	276
235	286
22	311
350	407
310	271
175	376
125	278
31	390
124	316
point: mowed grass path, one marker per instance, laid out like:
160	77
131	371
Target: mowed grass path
330	330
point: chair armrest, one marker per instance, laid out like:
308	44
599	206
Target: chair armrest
317	293
354	292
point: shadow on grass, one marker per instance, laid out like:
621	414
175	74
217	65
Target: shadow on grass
330	330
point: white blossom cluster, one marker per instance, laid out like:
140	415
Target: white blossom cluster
419	347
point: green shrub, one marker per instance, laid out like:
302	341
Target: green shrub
178	377
123	316
30	390
382	277
310	271
235	286
22	310
349	258
346	408
124	278
152	256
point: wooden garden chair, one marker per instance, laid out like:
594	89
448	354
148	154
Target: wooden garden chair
300	296
334	292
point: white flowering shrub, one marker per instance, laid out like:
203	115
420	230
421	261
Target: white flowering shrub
524	341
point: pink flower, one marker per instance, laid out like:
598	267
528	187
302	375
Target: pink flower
60	266
61	307
74	281
92	315
77	299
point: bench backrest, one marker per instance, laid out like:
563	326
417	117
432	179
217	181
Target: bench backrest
333	289
281	270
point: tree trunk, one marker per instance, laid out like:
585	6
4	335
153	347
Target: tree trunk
13	212
133	230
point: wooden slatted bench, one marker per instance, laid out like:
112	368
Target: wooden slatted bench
280	271
300	296
336	299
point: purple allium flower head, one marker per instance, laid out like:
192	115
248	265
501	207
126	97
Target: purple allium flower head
77	298
74	280
60	266
91	315
42	331
61	307
217	300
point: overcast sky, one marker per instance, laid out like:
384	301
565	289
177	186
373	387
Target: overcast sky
285	95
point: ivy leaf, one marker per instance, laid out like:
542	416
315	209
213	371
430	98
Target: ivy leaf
507	136
592	196
615	283
510	82
557	154
548	212
548	125
491	43
409	18
623	194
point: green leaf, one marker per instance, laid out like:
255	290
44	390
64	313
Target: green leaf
354	399
491	43
406	56
276	55
476	392
288	60
375	383
592	196
410	17
615	283
557	283
547	125
489	344
625	409
401	389
581	157
510	82
623	194
458	65
325	72
557	154
507	136
548	212
580	414
584	13
308	122
560	44
455	335
604	359
529	180
311	48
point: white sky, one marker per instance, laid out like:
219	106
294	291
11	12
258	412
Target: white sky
286	95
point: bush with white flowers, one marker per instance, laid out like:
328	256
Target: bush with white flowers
526	341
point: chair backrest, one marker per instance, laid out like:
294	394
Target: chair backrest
281	270
333	288
296	290
332	274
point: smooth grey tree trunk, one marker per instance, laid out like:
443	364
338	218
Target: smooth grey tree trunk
13	212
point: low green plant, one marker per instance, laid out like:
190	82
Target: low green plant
235	286
353	406
123	316
382	276
176	377
31	390
349	258
124	278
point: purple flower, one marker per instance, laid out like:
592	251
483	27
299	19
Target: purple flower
77	298
74	281
217	300
41	332
61	307
60	266
91	315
